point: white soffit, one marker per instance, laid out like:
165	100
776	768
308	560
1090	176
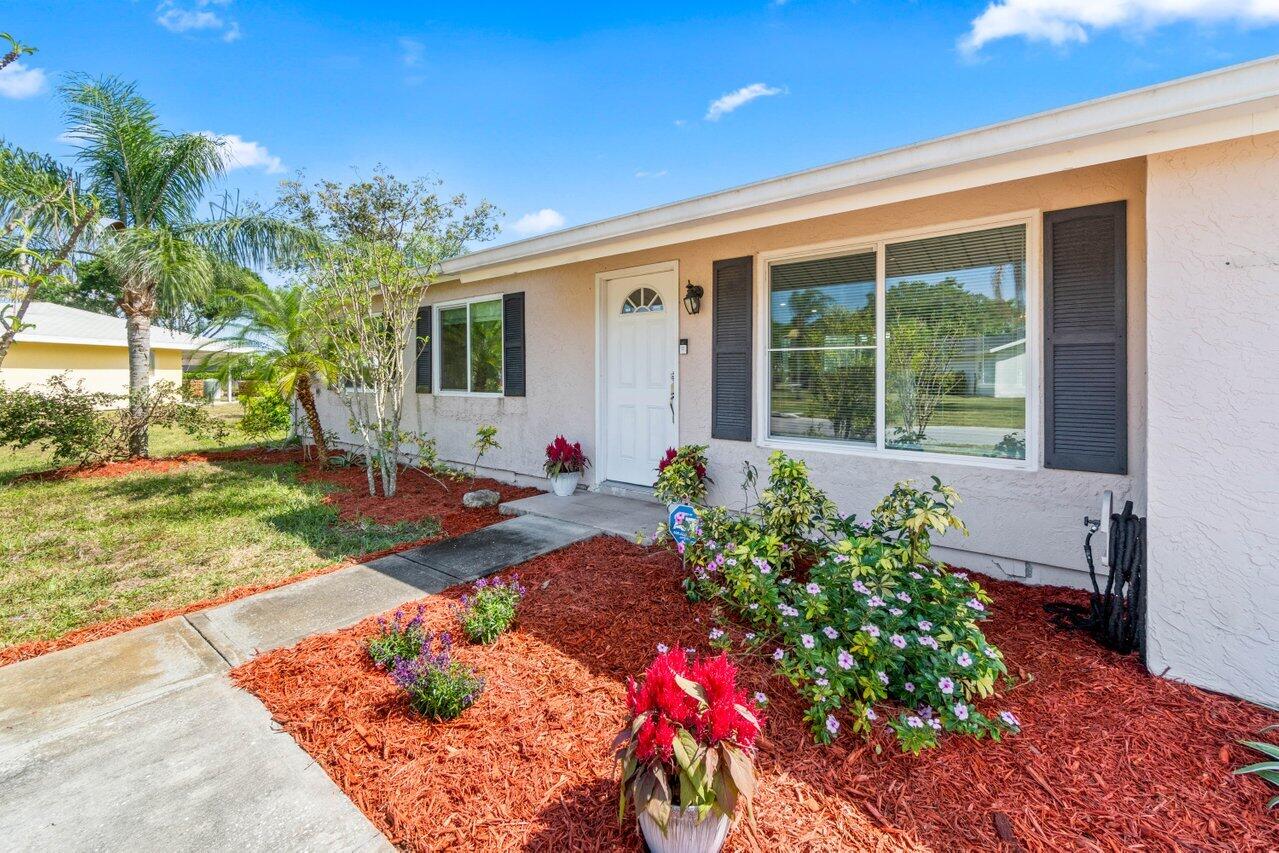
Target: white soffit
1234	102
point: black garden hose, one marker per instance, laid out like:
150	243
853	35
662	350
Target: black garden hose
1117	616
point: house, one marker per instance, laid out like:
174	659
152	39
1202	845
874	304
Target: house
89	347
1036	311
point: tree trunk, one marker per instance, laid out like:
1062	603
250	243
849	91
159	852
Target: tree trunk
138	331
306	398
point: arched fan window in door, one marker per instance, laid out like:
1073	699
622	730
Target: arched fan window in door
643	300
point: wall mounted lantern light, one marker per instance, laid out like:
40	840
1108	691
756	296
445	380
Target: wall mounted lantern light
693	297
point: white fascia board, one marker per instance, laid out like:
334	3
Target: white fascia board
1227	104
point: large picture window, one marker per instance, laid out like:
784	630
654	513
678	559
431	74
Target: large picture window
943	371
470	346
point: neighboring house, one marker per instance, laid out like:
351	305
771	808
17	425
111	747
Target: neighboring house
89	347
1117	261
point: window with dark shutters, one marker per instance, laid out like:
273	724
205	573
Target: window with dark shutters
513	344
731	322
1085	337
423	343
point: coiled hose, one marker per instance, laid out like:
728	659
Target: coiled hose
1117	616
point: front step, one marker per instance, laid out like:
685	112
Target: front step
627	490
629	518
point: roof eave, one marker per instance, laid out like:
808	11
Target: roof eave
1223	104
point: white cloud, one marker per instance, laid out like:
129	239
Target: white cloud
240	153
18	81
724	105
178	18
411	52
538	223
1061	21
646	174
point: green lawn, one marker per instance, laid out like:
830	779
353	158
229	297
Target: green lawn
79	551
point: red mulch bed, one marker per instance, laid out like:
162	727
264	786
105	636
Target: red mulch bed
1110	757
417	498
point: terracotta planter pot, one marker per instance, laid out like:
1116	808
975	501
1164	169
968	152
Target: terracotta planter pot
684	833
565	484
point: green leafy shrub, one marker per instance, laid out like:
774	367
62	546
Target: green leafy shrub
397	638
491	610
681	475
438	687
873	620
265	413
88	427
792	508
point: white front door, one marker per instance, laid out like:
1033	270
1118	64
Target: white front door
641	332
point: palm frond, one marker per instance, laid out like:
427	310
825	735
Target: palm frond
159	260
253	239
120	142
186	168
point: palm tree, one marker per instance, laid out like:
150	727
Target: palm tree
16	49
151	182
280	331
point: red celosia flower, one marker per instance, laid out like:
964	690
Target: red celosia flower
670	707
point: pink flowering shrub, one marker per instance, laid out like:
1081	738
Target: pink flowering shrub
874	620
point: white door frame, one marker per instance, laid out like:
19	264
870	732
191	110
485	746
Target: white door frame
601	349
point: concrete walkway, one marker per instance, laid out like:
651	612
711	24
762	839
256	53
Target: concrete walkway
140	742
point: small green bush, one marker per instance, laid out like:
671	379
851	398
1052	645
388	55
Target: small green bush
681	475
266	413
88	427
491	610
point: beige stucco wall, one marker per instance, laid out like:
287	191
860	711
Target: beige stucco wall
1214	416
102	368
1015	516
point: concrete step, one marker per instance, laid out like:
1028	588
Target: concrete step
626	517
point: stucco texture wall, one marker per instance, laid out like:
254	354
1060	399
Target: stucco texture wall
1015	516
102	368
1214	416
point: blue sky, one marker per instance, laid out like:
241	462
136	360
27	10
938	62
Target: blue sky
588	110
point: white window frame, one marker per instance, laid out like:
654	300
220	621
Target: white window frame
437	360
878	243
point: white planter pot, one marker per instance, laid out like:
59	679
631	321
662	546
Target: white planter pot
565	484
684	834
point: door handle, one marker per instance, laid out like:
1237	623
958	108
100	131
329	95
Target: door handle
672	398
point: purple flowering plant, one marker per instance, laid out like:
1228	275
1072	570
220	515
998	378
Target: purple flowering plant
400	636
490	609
438	687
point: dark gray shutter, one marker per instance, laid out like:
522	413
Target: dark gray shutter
1086	338
423	342
731	332
513	344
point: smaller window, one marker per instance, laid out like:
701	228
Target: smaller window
470	347
643	300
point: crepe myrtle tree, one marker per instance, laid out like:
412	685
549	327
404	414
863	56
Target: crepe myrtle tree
384	242
151	182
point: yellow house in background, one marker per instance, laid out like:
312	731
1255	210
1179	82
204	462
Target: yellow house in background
89	347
